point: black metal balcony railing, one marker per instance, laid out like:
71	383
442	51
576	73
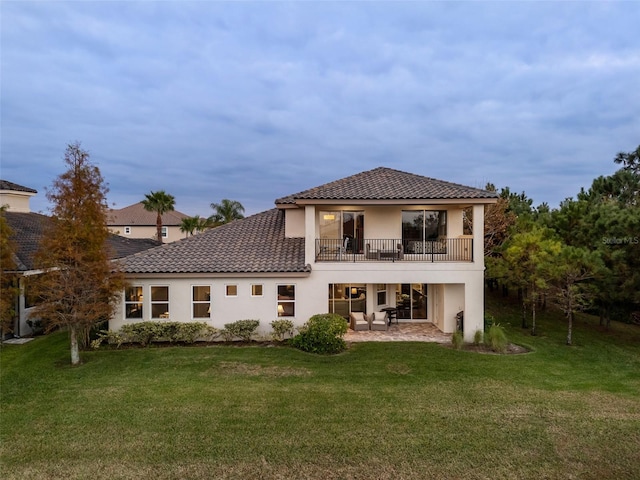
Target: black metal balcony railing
394	250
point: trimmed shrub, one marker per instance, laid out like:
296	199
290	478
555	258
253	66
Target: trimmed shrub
281	329
496	339
244	329
457	340
322	334
145	333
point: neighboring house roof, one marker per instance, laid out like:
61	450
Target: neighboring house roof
136	215
6	185
28	229
387	184
255	244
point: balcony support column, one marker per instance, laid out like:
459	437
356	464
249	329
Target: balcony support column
310	234
478	235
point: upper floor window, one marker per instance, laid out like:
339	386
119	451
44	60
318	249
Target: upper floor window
165	232
231	290
160	302
127	230
133	302
201	303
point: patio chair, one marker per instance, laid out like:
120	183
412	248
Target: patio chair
359	321
378	321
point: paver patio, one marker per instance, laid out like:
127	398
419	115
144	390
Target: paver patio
402	332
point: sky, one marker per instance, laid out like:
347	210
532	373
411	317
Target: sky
253	101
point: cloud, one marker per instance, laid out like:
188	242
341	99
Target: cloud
254	101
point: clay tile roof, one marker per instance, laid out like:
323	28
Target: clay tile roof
255	244
6	185
136	215
387	184
28	229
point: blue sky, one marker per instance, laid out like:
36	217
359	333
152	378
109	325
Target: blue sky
257	100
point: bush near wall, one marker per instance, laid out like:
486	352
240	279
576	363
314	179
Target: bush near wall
243	329
144	333
323	334
282	328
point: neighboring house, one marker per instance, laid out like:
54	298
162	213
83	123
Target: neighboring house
136	222
379	239
28	228
15	197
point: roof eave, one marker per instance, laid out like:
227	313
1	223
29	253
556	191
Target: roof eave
296	274
406	201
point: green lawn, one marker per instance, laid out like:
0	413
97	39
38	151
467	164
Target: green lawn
395	410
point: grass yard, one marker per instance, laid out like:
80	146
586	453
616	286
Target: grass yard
378	411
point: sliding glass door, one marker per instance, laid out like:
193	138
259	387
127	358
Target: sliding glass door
422	226
346	228
411	301
345	298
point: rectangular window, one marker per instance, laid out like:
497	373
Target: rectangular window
127	230
159	302
286	300
231	290
165	232
381	290
133	302
201	301
256	290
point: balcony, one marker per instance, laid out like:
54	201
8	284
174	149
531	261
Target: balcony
394	250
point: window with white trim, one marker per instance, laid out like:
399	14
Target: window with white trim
165	232
201	301
286	301
127	230
159	302
133	302
231	290
256	290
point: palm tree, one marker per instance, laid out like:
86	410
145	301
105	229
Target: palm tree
204	224
161	203
195	224
226	211
189	225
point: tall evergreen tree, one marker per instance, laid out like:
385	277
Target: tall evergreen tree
569	273
527	257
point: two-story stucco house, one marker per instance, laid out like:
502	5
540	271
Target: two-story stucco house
378	239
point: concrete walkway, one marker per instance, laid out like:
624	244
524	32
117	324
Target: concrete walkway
403	332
